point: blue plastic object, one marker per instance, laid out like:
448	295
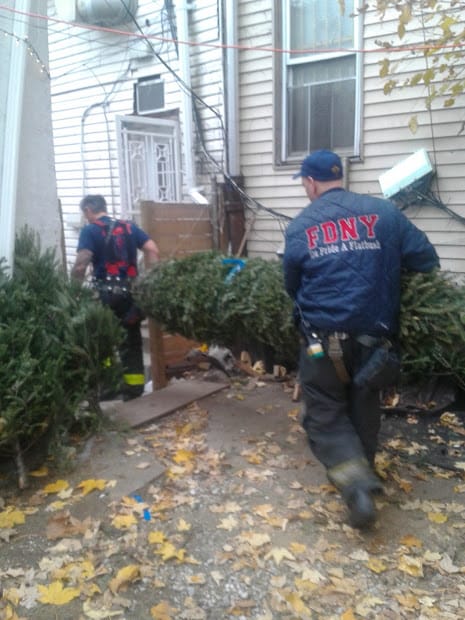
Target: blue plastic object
236	265
146	512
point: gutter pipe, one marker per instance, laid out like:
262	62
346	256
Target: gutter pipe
182	8
232	88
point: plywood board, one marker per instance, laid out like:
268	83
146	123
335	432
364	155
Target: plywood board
162	402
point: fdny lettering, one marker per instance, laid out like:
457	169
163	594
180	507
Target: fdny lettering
344	229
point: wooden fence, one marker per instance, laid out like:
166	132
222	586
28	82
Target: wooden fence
178	230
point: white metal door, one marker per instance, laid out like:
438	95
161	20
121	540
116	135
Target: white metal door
149	161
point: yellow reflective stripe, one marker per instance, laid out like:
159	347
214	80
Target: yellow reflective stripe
134	379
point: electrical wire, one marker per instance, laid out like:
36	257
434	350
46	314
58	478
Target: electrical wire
384	49
432	199
103	104
196	98
248	200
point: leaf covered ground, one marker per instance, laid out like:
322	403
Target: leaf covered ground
241	524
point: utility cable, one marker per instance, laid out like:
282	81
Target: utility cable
248	199
384	48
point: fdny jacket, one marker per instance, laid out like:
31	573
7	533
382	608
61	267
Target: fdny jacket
343	259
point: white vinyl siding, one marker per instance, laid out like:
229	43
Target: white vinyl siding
387	139
93	74
385	136
93	78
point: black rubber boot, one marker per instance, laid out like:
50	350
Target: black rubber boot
130	394
362	509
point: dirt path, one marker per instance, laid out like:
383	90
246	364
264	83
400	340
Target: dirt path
227	515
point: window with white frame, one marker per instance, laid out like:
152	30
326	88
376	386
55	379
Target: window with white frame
149	158
320	99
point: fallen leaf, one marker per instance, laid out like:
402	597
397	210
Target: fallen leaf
183	526
168	552
99	613
411	565
432	556
122	522
183	456
298	548
410	601
255	539
313	575
163	611
365	606
156	538
278	554
263	510
11	517
437	517
411	541
55	594
56	506
197	579
56	487
63	524
296	604
376	565
91	485
124	576
228	523
40	472
75	571
448	566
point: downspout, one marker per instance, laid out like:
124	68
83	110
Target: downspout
237	230
186	98
231	70
12	134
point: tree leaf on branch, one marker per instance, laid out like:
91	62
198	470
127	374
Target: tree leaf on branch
413	124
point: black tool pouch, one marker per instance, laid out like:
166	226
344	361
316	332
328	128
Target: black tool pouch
119	299
381	370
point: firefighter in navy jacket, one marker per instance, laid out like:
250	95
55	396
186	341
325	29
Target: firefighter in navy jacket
113	272
343	259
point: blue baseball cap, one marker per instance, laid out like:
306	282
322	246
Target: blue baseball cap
321	165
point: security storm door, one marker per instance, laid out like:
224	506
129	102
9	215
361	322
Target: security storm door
149	160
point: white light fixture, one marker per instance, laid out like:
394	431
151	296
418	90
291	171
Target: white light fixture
409	172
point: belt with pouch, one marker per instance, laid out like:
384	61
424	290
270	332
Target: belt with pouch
336	355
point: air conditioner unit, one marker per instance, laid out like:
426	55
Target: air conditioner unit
149	96
107	13
412	173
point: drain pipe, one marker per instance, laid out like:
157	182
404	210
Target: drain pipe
182	9
231	70
12	134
